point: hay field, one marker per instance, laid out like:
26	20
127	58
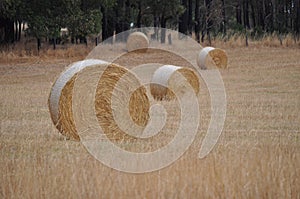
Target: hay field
257	156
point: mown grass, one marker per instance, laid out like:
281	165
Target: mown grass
257	156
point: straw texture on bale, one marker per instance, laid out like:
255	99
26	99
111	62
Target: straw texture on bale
165	82
138	106
137	41
60	98
210	56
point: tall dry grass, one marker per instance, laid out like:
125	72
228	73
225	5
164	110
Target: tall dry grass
18	53
257	156
22	51
270	40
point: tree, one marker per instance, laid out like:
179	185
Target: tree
190	17
183	23
246	14
165	11
108	22
197	20
11	16
208	21
297	18
36	20
85	18
224	21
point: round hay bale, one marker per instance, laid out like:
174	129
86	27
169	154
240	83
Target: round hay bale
107	92
210	56
165	82
61	99
137	41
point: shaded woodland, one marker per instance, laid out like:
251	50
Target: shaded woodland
44	20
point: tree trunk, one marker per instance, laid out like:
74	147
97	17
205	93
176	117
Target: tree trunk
287	17
85	41
297	21
170	39
104	23
126	25
156	24
163	30
202	36
20	30
54	43
16	28
96	41
280	18
252	14
108	24
223	18
139	16
120	17
190	17
261	12
8	31
246	14
183	20
208	20
238	9
268	16
197	20
38	44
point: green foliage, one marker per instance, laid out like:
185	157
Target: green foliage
83	18
8	8
37	26
45	19
166	8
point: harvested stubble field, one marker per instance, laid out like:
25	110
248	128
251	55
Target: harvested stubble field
257	156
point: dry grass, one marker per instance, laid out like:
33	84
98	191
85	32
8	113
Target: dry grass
258	155
272	40
20	55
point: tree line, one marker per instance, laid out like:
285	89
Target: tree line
204	18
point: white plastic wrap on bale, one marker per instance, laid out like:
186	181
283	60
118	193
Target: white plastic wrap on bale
212	56
61	82
103	76
137	41
167	82
201	59
162	75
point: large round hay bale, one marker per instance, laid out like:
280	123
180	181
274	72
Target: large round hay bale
209	57
60	99
137	41
125	97
165	82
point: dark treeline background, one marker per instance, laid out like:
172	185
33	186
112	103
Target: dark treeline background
93	18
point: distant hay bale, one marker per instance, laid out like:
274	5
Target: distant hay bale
210	56
165	82
137	41
60	99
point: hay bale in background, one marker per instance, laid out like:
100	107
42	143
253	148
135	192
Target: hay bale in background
137	41
210	57
60	98
164	82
